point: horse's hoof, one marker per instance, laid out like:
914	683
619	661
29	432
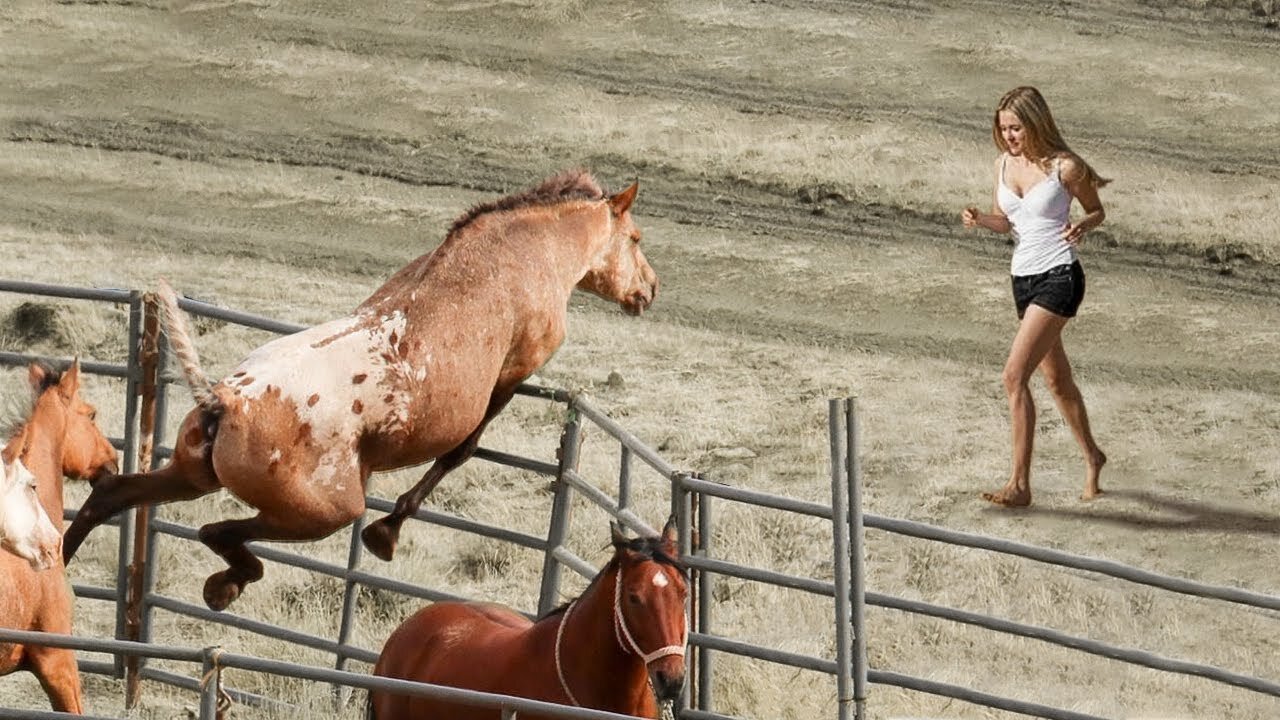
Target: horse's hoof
380	538
219	592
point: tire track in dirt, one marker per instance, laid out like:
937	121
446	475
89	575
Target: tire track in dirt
641	73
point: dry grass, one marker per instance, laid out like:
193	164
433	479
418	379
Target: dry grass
801	165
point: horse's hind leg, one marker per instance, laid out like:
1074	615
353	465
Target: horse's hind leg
56	670
115	493
228	538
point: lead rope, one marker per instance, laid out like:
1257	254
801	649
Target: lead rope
620	631
564	619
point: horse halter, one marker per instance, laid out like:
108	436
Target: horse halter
621	633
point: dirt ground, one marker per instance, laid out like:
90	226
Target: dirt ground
802	164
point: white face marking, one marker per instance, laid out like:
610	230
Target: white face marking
660	579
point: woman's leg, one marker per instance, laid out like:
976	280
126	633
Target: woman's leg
1037	334
1057	375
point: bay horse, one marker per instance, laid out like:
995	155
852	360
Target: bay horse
415	373
58	438
617	647
25	528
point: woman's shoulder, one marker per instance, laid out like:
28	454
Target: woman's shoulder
1070	167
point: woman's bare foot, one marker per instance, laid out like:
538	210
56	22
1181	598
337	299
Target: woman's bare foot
1094	469
1010	496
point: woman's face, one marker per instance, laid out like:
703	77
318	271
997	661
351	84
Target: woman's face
1012	131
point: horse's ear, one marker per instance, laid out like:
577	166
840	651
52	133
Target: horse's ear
36	373
616	535
670	532
69	384
621	202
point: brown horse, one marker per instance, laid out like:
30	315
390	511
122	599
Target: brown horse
415	373
618	647
58	438
25	528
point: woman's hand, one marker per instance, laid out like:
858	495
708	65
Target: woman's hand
970	217
1073	233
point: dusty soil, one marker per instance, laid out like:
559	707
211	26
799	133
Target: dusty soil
802	167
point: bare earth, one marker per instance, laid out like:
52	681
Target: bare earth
802	166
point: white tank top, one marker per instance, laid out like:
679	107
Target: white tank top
1038	218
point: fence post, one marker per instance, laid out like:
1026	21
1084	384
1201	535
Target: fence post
570	443
706	590
682	502
841	559
129	454
213	706
350	597
149	353
857	554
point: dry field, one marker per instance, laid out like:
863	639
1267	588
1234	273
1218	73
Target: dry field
802	164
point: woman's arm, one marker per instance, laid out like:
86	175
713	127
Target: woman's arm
1073	175
996	220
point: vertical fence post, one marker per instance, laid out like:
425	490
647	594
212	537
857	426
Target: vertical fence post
841	560
682	501
857	554
148	356
161	416
350	598
624	478
129	454
561	505
211	686
706	590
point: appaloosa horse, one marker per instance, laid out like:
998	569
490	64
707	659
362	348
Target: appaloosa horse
415	373
618	647
25	528
58	438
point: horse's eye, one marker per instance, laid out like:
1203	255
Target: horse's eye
635	237
93	415
633	598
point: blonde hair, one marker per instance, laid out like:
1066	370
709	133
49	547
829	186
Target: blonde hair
1042	136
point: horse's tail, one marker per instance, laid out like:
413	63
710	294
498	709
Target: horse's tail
369	713
175	323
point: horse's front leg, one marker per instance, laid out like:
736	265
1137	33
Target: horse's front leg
381	536
56	670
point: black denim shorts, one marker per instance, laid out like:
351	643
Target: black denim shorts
1059	290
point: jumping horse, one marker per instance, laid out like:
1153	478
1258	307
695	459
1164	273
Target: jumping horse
58	438
415	373
25	528
618	647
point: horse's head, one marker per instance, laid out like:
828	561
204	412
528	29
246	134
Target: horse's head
649	615
86	453
25	528
620	271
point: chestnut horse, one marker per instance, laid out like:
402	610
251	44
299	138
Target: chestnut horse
415	373
618	647
25	528
59	438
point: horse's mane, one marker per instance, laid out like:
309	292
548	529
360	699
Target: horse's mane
577	184
16	409
647	548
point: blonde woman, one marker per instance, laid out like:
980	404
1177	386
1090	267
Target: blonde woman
1037	178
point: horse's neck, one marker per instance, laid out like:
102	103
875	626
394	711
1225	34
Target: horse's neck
609	677
43	457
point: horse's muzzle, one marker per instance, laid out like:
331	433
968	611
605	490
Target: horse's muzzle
666	685
106	470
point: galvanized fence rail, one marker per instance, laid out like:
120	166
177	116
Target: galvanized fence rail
692	498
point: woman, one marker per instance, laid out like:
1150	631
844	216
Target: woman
1037	177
